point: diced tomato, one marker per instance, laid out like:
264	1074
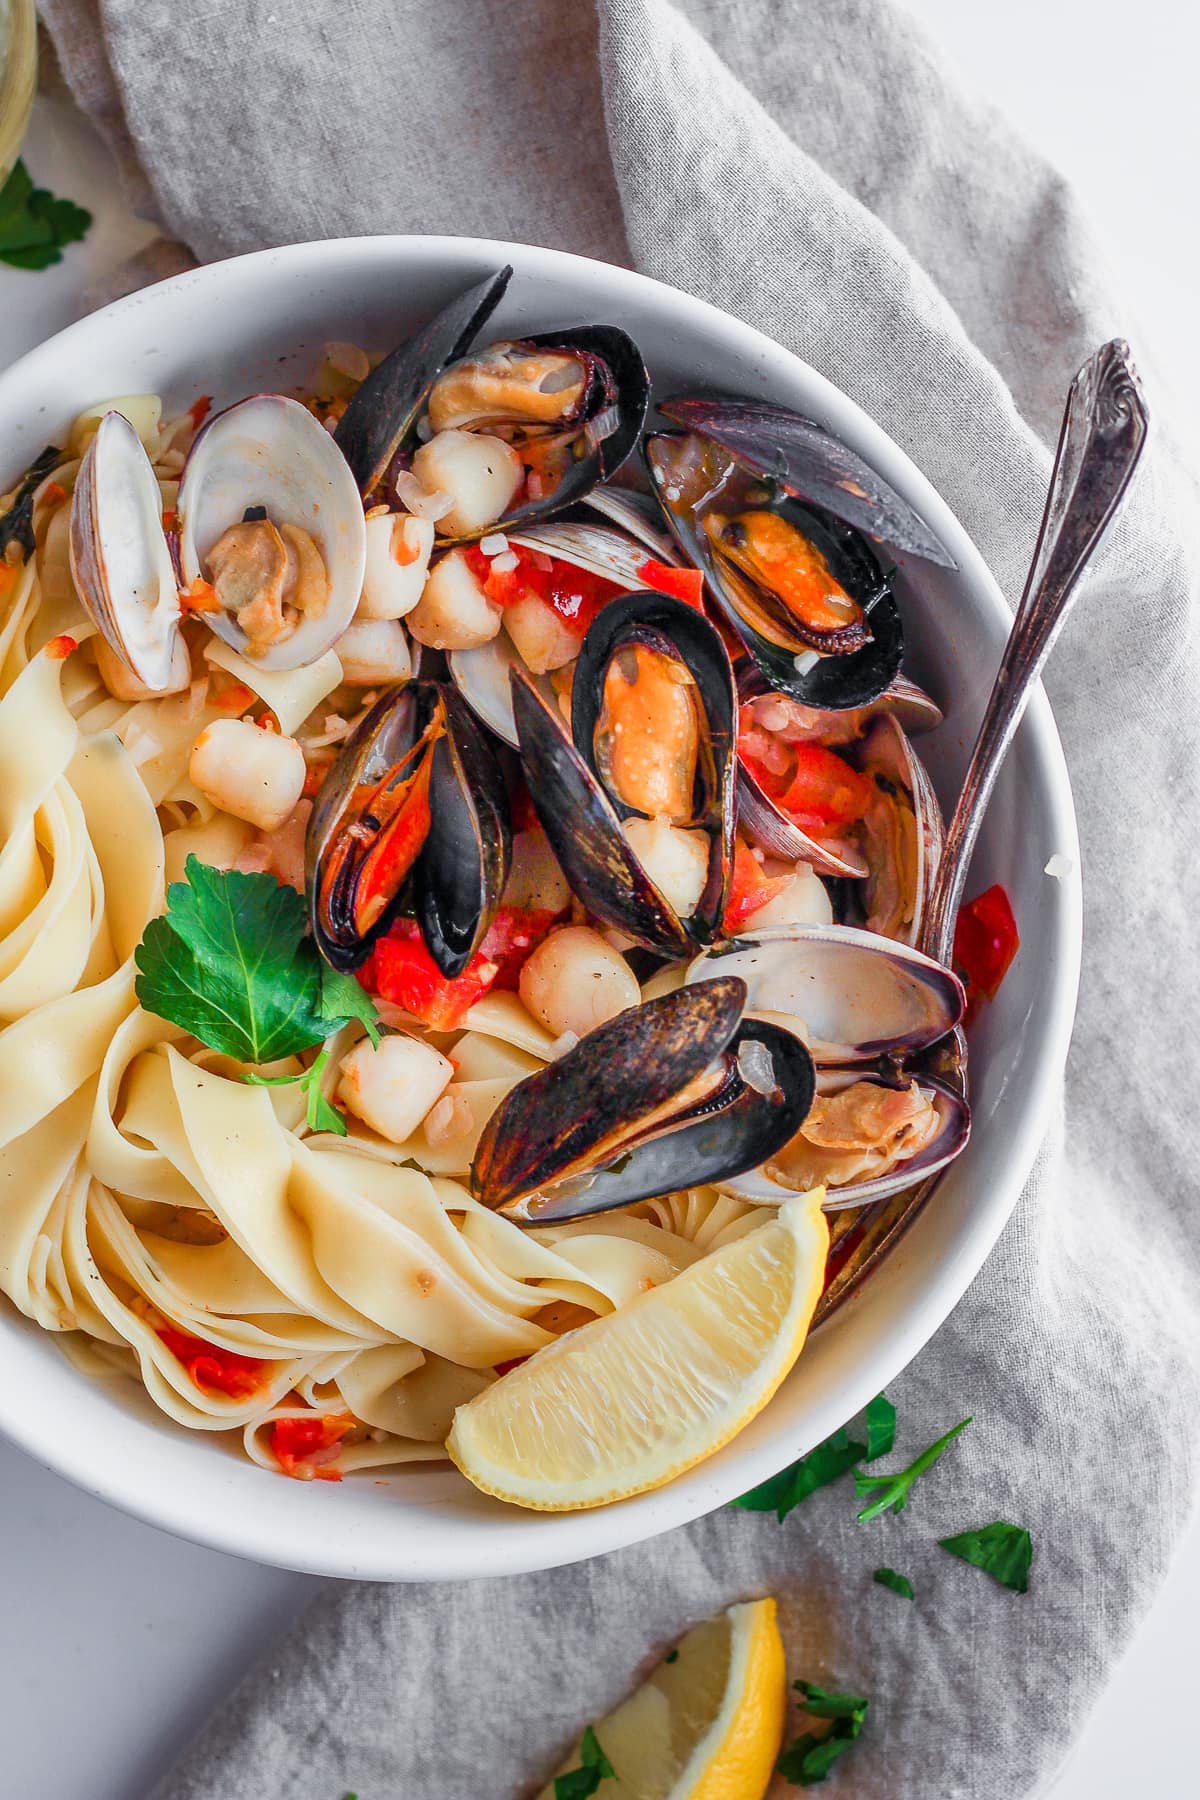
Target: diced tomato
306	1448
400	968
213	1369
750	888
53	493
199	410
200	597
315	773
59	648
8	576
575	595
170	519
682	584
514	1362
817	790
233	698
985	941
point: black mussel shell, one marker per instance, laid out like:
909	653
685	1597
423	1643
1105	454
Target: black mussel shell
461	872
585	831
810	463
675	629
833	682
386	407
459	837
16	525
667	1095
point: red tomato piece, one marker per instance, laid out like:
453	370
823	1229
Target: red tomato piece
682	584
306	1447
199	410
400	968
213	1369
818	790
750	887
59	648
985	941
574	594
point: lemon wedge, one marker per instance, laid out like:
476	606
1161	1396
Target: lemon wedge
631	1400
707	1724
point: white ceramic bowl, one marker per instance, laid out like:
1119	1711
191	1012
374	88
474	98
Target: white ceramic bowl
259	322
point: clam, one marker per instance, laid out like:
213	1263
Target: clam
602	555
560	411
901	833
120	560
637	799
777	514
872	1015
675	1093
270	520
413	809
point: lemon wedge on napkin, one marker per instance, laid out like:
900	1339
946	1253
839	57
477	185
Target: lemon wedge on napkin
706	1725
631	1400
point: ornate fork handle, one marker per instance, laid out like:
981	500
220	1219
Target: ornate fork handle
1103	434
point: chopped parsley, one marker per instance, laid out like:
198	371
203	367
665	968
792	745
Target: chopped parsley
35	226
672	1656
320	1112
1003	1551
594	1767
808	1759
830	1460
229	961
893	1490
899	1584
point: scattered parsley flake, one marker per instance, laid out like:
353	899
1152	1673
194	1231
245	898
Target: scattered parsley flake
230	962
810	1757
893	1490
35	225
581	1783
672	1656
828	1462
899	1584
1003	1551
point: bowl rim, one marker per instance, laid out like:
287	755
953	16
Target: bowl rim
491	1545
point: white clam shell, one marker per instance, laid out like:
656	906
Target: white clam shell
270	451
120	561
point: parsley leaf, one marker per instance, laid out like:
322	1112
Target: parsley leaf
581	1783
343	997
881	1426
899	1584
1003	1551
830	1460
229	961
810	1757
835	1457
893	1489
34	224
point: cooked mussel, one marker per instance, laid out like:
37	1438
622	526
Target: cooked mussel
674	1093
776	512
637	799
873	1015
526	426
413	811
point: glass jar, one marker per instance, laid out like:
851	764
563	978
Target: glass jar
18	77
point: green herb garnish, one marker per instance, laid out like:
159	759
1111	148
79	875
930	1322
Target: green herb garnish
1003	1551
893	1489
810	1757
830	1460
320	1112
899	1584
229	961
581	1783
672	1656
880	1418
35	226
17	523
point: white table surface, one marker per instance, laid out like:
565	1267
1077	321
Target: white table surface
115	1640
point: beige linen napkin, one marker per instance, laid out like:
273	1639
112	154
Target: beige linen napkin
809	167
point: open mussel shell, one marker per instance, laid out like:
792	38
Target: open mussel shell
852	996
674	1093
414	793
120	561
269	454
693	476
810	463
902	834
953	1131
383	412
582	817
482	674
